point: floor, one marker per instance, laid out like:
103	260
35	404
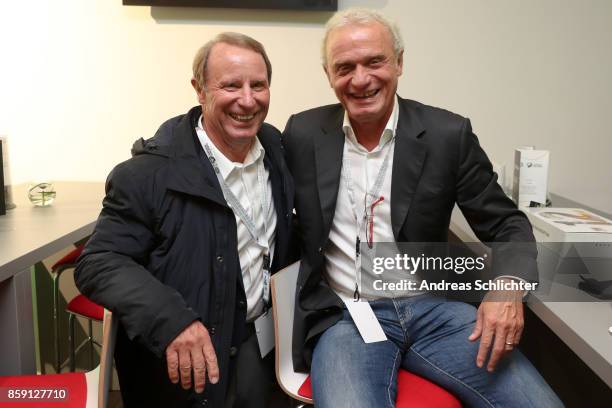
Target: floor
279	401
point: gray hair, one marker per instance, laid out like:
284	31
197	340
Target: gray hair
200	61
361	16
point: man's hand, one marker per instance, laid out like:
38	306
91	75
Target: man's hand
499	324
190	351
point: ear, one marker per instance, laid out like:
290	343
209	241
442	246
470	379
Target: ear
400	63
199	91
327	74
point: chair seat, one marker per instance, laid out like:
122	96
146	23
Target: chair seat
70	258
412	392
74	383
81	305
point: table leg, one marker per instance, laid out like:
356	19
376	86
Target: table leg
17	341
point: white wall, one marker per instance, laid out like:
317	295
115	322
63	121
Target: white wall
80	80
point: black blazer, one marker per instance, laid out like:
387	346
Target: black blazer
437	162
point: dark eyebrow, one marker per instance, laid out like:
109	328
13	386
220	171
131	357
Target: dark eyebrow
342	64
228	82
379	56
367	59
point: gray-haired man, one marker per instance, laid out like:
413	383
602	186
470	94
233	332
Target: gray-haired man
409	163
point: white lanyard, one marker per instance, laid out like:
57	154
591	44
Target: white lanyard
370	197
249	223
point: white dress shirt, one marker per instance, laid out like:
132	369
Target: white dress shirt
241	178
364	168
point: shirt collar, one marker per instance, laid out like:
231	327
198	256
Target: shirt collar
388	132
226	166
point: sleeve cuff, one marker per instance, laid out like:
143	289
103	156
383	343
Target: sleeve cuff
160	339
525	292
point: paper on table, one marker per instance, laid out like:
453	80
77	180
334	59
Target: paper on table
574	220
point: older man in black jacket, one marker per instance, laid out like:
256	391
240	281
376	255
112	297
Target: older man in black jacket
190	230
380	168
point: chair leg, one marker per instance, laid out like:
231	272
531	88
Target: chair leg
293	403
91	344
55	278
71	335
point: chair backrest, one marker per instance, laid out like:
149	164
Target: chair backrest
283	305
109	337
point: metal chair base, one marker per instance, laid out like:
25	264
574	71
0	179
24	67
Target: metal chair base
71	339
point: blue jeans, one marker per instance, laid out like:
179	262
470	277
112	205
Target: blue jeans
429	337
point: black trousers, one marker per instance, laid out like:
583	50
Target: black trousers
253	383
252	379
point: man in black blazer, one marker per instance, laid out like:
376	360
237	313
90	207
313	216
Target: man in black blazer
379	167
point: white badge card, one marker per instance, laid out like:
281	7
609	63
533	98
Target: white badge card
264	328
266	282
366	321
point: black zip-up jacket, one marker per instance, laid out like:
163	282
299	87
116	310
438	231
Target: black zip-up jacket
164	254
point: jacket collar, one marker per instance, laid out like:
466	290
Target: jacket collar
329	148
408	159
191	172
188	172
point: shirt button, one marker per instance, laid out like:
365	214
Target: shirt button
233	351
204	402
242	304
212	330
220	259
320	249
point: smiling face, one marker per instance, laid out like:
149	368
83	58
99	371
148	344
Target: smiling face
363	70
235	99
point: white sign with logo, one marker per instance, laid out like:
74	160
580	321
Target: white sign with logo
530	181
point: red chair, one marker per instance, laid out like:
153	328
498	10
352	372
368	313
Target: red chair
79	306
412	391
79	390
